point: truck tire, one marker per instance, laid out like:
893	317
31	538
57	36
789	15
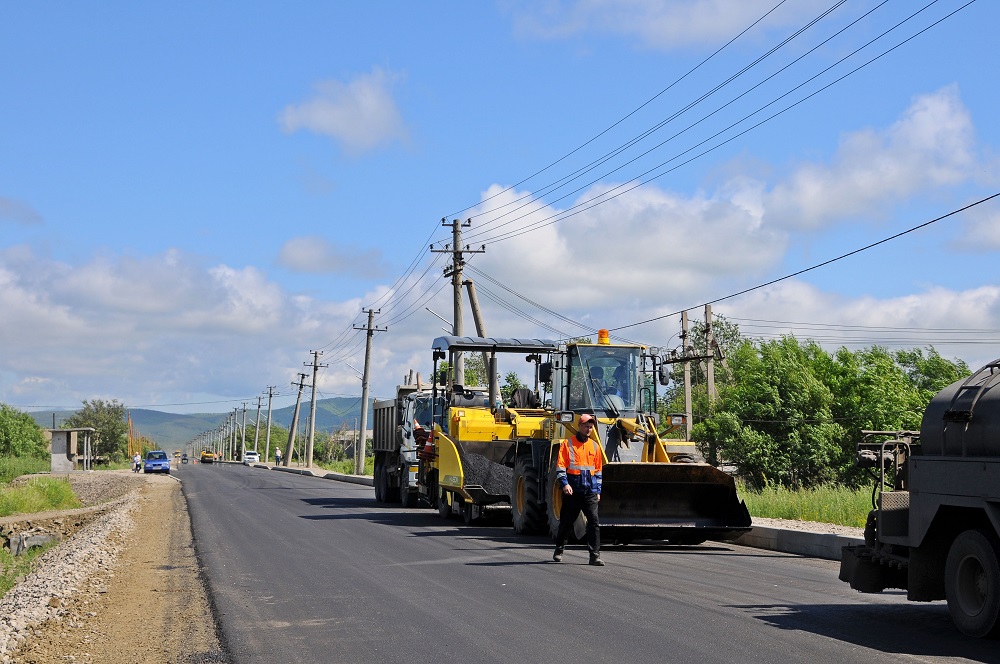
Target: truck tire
972	583
407	495
378	480
525	503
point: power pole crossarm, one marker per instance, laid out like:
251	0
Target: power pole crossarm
455	272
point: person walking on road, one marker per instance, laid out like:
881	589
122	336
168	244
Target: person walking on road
578	471
277	456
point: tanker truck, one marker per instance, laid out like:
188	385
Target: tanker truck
934	530
484	452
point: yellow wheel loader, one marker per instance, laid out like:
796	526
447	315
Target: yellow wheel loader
484	452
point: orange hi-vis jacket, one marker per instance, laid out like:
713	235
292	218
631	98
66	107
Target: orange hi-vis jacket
579	465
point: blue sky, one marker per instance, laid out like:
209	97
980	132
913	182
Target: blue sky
193	196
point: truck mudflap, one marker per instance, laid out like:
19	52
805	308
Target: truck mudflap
684	503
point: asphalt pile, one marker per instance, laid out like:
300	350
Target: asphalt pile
495	478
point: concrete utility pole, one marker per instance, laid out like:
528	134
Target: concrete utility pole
477	318
243	433
710	351
295	421
359	449
312	407
256	427
455	272
688	415
267	448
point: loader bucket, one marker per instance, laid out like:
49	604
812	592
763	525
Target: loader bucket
684	503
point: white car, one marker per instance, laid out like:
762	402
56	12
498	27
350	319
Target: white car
250	456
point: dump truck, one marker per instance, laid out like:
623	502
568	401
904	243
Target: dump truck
399	426
934	528
485	452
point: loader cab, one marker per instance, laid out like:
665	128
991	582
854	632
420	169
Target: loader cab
606	380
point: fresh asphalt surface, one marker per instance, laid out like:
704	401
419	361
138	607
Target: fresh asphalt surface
309	570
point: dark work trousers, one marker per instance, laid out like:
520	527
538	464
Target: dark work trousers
571	508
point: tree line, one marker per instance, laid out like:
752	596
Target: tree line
791	413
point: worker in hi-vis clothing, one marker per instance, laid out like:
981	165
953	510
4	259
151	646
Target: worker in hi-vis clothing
578	471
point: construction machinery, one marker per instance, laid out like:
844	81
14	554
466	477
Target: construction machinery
485	452
934	529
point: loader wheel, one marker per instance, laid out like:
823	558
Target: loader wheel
444	507
555	508
972	583
526	508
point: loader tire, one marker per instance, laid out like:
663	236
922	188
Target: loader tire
554	507
525	503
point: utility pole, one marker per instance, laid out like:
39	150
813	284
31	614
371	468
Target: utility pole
455	272
710	351
256	427
477	317
688	415
243	433
312	408
267	448
295	421
359	450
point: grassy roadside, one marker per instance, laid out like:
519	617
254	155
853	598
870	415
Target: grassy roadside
347	467
830	504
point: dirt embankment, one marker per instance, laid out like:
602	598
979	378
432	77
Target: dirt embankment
126	587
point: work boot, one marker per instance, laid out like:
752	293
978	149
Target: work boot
557	555
596	561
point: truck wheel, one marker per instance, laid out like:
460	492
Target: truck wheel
972	583
407	496
378	480
526	508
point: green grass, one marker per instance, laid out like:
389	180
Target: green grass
347	467
13	568
39	494
838	505
11	467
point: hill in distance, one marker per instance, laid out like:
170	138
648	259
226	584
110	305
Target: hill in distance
171	430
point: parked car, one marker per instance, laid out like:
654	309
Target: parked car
207	457
250	456
156	461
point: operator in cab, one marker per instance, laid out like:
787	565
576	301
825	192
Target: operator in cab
578	471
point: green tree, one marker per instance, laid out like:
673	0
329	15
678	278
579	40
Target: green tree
931	373
20	435
109	419
774	420
511	382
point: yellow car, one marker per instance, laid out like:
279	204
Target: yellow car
207	457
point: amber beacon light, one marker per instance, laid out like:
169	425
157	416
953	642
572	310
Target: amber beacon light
602	338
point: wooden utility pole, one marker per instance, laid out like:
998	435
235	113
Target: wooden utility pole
312	407
295	421
477	318
455	272
267	444
359	449
688	415
243	433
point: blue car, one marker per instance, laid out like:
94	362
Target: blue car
156	461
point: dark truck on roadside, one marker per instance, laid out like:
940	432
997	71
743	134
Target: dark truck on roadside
934	529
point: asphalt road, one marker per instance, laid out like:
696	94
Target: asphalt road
309	570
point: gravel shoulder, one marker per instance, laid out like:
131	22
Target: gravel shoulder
126	587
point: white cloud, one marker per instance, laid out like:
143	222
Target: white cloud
360	115
660	24
318	255
930	146
18	212
982	228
